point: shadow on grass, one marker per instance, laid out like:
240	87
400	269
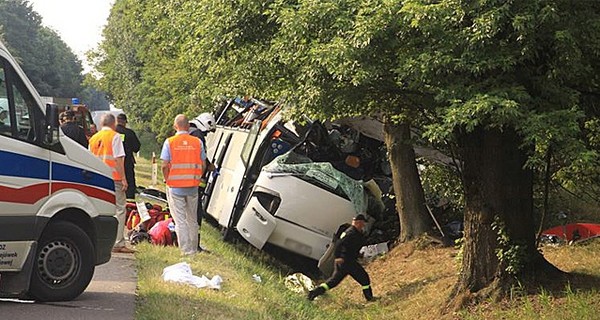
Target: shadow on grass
571	282
406	291
276	259
161	305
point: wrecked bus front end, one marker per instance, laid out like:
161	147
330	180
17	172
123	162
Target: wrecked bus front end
275	187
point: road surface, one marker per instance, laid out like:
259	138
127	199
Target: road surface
110	295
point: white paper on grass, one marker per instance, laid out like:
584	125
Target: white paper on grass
374	250
143	211
182	273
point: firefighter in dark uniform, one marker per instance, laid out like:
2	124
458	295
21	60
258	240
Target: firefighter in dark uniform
131	144
346	256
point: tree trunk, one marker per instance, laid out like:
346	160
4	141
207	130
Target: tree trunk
410	200
499	202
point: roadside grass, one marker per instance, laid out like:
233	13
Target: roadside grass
143	173
240	296
411	283
578	299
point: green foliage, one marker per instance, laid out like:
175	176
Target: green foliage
511	254
460	245
528	65
443	188
149	143
49	63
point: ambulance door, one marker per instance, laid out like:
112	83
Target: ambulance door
25	166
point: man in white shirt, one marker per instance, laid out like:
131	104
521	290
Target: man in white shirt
108	146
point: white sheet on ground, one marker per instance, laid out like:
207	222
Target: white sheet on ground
182	273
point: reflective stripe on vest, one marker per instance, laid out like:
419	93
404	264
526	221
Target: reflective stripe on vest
186	166
101	146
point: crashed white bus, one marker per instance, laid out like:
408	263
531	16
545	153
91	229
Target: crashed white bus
287	186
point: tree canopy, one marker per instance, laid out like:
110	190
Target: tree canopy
49	63
451	64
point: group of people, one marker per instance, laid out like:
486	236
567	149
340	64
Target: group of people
72	129
184	164
131	143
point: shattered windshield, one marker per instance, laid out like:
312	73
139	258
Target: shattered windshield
322	174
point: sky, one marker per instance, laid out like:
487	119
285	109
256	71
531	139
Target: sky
78	22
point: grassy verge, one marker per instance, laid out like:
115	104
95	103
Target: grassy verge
411	284
577	300
143	173
240	296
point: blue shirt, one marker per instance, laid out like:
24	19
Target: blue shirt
165	155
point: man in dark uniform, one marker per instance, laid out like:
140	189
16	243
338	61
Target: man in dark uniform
346	256
72	130
132	144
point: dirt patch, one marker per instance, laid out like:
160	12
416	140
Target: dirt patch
410	282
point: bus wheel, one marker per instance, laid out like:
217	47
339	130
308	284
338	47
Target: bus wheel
64	263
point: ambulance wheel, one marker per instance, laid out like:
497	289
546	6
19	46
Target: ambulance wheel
64	263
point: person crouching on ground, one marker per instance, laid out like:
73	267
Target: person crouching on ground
346	261
183	164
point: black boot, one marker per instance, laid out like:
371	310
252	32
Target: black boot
312	294
368	293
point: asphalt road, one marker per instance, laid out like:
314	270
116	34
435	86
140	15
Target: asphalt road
110	295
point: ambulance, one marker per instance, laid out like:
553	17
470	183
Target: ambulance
57	200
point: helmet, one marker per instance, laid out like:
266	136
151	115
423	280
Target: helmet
205	122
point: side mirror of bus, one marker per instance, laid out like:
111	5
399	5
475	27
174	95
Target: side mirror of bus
51	124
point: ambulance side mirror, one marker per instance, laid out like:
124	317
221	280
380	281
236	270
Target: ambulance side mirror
51	124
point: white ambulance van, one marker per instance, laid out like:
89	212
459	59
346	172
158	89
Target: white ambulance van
57	201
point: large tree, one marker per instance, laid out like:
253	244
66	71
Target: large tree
508	79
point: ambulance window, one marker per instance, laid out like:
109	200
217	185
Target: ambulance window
4	115
24	109
24	104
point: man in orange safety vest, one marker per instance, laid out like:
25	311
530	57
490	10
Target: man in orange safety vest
184	161
108	146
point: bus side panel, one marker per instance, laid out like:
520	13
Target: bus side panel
227	184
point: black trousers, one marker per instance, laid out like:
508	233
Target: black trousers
352	268
130	176
200	210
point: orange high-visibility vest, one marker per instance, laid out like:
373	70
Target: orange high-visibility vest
101	146
186	166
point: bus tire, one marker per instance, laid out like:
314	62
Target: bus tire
64	263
